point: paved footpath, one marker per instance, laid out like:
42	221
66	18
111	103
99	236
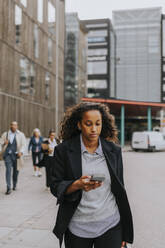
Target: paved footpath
27	216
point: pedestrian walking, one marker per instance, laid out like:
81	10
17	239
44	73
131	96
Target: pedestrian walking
14	145
48	146
35	145
87	179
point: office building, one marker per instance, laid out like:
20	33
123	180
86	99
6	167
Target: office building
32	64
75	60
101	59
138	33
163	60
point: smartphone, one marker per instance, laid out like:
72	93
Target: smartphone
98	177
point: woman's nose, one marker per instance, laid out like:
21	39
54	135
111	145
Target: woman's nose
93	128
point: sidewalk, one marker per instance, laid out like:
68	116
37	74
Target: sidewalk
27	216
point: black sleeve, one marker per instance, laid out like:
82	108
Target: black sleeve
120	166
59	184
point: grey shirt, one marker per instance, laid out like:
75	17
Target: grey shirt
97	211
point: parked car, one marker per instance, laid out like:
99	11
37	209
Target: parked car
148	140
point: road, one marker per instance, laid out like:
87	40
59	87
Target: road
27	216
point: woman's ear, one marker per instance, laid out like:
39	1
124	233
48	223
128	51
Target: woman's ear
79	126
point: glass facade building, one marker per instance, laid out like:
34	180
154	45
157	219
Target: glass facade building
101	58
163	59
75	60
138	34
32	63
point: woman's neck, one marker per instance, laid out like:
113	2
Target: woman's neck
91	146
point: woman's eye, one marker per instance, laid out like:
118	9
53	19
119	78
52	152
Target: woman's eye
88	124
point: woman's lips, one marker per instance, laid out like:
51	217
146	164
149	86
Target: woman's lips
93	135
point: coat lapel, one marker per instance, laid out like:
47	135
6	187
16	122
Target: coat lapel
74	155
110	156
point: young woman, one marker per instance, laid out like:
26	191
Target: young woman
48	146
35	146
87	179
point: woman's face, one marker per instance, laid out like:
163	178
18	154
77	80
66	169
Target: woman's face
36	134
52	136
91	125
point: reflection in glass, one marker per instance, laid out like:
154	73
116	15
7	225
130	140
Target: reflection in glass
24	83
36	41
27	76
50	46
24	2
32	76
70	70
18	22
97	88
47	86
40	11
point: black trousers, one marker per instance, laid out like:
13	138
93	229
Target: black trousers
48	169
110	239
35	156
48	175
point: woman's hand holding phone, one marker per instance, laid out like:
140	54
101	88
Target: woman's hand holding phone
84	183
87	184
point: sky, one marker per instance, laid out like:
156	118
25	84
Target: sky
95	9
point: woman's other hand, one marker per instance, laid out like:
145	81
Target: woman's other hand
123	244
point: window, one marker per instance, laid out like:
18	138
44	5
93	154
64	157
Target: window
36	41
24	83
47	86
24	3
97	25
96	39
164	68
99	84
163	31
97	58
32	76
51	13
97	52
97	67
40	11
153	44
50	45
27	76
18	23
97	33
51	18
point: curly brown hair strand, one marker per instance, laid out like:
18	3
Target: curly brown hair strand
73	115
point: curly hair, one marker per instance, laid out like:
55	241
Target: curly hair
73	115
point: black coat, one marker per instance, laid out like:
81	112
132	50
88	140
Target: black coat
68	168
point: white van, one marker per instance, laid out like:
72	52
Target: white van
148	140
